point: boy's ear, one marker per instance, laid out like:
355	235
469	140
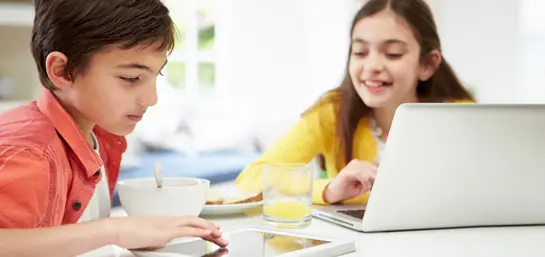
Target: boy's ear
55	65
430	65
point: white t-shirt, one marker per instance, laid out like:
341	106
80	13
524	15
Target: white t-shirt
100	205
377	134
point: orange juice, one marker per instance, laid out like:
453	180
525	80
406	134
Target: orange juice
287	194
287	210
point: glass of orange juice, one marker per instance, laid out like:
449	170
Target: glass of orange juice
287	194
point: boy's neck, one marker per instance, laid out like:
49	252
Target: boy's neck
84	125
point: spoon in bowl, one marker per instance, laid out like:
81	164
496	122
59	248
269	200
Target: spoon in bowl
158	172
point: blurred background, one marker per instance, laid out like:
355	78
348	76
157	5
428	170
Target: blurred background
244	70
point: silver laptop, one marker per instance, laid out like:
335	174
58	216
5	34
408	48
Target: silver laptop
453	166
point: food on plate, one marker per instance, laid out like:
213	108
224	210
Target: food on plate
214	198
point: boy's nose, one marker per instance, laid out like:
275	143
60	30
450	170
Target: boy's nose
149	97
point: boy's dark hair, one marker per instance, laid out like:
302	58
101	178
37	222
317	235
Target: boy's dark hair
80	28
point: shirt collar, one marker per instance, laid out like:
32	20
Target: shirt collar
50	106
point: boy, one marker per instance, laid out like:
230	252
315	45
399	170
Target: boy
60	155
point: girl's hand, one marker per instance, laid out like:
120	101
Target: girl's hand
354	180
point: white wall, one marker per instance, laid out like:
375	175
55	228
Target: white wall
326	39
532	69
282	55
496	46
284	64
480	41
532	56
266	52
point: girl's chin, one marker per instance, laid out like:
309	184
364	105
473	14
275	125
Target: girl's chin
375	101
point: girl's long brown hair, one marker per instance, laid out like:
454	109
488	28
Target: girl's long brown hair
442	86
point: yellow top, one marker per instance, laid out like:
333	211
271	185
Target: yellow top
314	133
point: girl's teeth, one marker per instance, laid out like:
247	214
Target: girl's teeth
373	84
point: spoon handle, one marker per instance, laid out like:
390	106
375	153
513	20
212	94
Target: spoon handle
157	170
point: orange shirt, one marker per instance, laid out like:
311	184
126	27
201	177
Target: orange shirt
48	171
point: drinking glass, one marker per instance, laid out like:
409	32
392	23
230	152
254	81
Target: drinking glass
287	194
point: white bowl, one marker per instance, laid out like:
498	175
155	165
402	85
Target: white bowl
177	197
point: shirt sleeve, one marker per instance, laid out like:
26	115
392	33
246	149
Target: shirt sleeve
300	144
24	187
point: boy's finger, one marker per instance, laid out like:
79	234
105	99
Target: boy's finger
189	232
216	233
218	240
197	223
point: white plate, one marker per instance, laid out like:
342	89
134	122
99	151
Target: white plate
228	209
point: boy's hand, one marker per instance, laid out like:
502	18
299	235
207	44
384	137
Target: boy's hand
155	232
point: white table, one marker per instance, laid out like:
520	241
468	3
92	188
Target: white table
497	242
478	242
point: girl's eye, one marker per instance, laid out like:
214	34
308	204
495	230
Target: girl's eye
130	80
360	53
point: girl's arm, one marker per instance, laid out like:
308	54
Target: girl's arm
308	137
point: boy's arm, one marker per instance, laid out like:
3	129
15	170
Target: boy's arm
24	187
68	240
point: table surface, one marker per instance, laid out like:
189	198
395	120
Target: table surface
497	242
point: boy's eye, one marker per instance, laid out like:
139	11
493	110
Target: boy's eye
130	80
394	55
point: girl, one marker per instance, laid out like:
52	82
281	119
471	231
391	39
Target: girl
395	58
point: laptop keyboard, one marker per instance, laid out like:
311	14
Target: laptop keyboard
358	214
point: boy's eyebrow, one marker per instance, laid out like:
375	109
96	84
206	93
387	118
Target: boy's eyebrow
138	66
134	66
388	42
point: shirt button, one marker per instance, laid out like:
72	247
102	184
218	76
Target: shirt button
76	206
97	174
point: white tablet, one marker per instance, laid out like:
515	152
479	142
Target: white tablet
256	242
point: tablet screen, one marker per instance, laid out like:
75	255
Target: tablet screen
246	244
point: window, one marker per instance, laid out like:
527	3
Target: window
192	65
